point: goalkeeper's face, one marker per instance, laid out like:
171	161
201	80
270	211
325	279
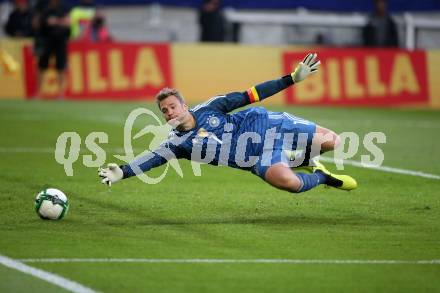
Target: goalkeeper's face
172	108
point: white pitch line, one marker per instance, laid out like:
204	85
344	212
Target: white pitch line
46	276
384	168
248	261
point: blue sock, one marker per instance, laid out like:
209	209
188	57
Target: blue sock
311	180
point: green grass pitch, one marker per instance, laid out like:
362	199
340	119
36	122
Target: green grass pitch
224	214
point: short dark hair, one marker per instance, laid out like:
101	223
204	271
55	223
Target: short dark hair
166	92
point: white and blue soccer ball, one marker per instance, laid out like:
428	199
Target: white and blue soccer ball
51	204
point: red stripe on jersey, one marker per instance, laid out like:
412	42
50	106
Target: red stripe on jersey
251	96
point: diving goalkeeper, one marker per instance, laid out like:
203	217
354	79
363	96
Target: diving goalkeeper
253	139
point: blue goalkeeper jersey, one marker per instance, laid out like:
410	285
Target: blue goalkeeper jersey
219	137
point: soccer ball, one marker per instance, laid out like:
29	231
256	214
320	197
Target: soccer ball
51	204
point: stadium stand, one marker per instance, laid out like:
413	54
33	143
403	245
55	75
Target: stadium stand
331	23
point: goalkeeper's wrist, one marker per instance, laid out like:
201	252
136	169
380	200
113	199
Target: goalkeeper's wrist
126	171
288	79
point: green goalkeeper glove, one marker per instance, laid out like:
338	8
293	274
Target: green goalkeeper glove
111	174
309	65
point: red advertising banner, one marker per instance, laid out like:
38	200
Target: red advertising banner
118	71
361	77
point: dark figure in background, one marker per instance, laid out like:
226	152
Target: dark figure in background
19	23
96	31
381	30
37	10
54	32
211	22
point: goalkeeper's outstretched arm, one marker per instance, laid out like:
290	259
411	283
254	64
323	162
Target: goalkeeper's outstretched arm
264	90
267	89
143	163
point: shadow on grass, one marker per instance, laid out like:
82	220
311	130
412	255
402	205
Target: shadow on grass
141	217
290	220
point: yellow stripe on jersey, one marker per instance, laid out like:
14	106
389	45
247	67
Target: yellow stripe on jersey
256	96
253	95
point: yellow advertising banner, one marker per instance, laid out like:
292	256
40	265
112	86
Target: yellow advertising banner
11	69
200	71
348	77
206	70
434	78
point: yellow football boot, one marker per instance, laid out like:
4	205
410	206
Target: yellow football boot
343	182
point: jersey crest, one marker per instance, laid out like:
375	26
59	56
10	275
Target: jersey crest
213	121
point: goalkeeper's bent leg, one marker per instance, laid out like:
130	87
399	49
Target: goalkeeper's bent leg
282	177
